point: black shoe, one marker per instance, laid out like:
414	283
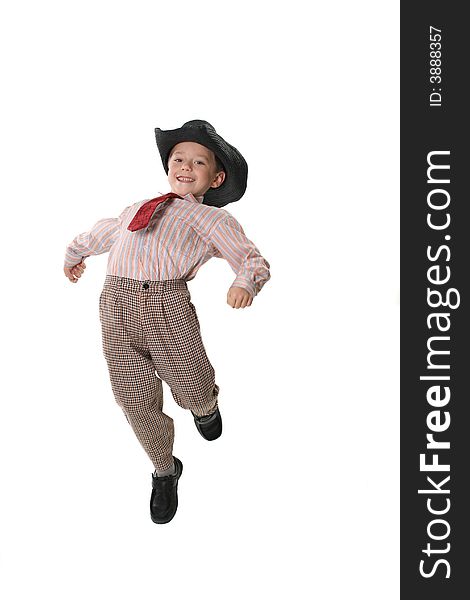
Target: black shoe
164	498
210	427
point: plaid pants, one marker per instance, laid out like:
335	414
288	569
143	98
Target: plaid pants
151	333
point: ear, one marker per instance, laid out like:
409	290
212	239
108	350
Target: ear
218	179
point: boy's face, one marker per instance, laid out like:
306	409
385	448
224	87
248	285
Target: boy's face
192	169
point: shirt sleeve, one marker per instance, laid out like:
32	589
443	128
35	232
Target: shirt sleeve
98	240
243	256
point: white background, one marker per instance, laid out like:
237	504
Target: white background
299	498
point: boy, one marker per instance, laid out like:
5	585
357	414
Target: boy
149	324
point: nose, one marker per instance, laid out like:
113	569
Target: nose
186	165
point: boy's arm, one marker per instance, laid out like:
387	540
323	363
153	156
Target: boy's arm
243	256
98	240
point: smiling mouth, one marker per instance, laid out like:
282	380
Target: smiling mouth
185	179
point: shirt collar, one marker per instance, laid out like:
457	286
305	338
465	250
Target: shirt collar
191	198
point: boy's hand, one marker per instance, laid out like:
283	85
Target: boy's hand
238	297
74	273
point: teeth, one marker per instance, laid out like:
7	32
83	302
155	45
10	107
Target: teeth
185	179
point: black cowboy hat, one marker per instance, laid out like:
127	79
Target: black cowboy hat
202	132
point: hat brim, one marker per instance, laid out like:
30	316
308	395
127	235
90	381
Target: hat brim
235	166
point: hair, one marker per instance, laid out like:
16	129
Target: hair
218	164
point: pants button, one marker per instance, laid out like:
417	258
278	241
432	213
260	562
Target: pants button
146	286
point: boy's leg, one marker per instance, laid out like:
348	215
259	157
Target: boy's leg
137	389
173	334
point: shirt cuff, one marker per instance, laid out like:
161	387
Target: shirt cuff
72	259
246	284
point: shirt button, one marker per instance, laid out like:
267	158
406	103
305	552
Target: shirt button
146	286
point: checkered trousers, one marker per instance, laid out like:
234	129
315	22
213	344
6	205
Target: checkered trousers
151	333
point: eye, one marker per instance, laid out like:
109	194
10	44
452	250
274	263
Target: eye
177	159
199	162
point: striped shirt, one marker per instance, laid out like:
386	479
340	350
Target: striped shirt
181	236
